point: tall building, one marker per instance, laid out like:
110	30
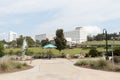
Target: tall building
12	36
8	36
78	35
41	37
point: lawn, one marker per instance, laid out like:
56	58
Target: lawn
41	50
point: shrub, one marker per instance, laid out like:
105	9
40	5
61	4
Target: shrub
18	65
116	51
29	52
1	49
98	64
4	66
19	52
101	64
117	59
10	52
82	63
7	65
93	52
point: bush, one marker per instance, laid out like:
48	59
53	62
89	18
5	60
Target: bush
117	59
1	49
4	66
101	64
82	63
29	52
10	52
93	52
19	52
116	51
98	64
7	65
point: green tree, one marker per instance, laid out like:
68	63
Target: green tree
30	41
60	41
44	42
20	41
99	37
90	38
13	44
1	49
37	43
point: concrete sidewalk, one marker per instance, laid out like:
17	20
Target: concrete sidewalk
59	69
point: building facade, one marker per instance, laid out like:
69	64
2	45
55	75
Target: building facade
12	36
77	36
44	37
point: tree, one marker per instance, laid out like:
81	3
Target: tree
30	41
44	42
37	43
13	44
60	41
90	38
1	49
20	41
99	37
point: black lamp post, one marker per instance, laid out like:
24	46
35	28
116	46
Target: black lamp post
106	39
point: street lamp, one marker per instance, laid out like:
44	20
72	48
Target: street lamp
112	52
105	32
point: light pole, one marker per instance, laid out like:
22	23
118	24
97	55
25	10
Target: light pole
113	53
105	32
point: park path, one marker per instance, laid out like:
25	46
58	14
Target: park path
59	69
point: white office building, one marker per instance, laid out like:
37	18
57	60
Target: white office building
12	36
8	36
77	36
44	37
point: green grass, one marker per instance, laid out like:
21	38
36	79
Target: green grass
54	51
110	42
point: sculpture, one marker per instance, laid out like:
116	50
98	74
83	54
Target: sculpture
24	48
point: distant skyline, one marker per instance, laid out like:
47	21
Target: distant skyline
31	17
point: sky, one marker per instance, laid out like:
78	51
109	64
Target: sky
31	17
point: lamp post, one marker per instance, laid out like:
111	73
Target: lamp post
113	53
105	32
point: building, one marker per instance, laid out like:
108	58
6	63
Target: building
8	36
12	36
44	37
77	36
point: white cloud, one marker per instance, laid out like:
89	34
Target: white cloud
76	12
72	13
93	29
29	6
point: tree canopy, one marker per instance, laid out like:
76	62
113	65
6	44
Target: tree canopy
30	41
60	41
1	49
44	42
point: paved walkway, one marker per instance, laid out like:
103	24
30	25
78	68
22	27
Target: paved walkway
59	69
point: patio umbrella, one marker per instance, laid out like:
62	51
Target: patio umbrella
49	46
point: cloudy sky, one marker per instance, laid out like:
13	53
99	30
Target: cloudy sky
30	17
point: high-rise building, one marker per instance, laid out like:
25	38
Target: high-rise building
12	36
8	36
78	35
